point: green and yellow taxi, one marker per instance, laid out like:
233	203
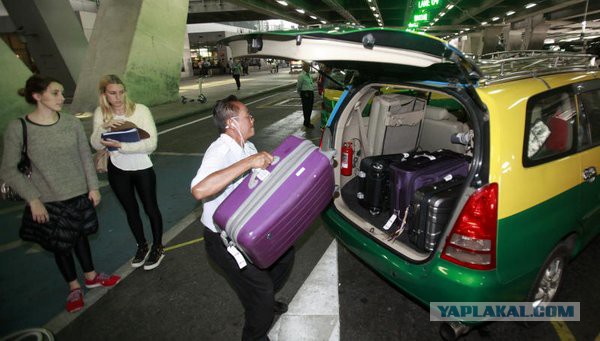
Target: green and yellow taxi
530	202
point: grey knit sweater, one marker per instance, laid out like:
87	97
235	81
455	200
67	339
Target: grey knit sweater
62	165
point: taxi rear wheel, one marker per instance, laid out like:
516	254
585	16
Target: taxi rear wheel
549	279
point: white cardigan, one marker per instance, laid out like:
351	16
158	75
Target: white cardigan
132	155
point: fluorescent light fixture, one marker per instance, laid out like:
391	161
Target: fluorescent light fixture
495	18
442	14
336	28
509	13
376	15
313	17
373	8
282	3
461	32
484	23
300	10
531	4
450	7
467	29
323	22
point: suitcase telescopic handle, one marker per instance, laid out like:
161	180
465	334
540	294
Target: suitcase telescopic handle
260	174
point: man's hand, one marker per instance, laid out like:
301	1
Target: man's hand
260	160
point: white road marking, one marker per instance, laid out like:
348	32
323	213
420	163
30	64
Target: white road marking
314	312
207	117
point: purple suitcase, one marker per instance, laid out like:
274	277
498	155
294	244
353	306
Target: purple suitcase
420	170
263	219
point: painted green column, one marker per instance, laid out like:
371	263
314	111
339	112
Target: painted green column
14	74
142	42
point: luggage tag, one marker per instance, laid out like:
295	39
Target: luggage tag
239	259
260	174
237	255
390	222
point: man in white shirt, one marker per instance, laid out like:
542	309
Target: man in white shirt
223	167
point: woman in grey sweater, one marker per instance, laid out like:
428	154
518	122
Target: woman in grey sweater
62	173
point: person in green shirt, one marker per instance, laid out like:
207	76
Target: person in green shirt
305	88
236	71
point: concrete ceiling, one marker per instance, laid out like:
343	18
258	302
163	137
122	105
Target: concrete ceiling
564	17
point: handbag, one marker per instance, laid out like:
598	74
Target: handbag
101	161
24	166
68	220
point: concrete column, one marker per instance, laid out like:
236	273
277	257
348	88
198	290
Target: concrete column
187	57
491	38
139	40
474	43
14	74
534	37
54	37
513	39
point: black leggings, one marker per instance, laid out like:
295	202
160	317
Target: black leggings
124	184
66	263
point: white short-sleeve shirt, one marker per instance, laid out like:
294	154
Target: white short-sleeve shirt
221	154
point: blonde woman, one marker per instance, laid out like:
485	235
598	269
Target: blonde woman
130	169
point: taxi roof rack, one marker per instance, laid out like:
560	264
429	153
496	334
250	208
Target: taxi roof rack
510	65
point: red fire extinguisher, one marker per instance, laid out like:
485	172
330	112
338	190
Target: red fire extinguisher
347	155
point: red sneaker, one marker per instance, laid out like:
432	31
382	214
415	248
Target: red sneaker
102	279
75	300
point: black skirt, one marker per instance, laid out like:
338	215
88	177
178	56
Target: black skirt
69	219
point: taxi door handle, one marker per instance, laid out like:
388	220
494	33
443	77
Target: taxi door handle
589	174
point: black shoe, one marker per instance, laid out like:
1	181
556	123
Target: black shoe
280	307
140	256
156	256
309	126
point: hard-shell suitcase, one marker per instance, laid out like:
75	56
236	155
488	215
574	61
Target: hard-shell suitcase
374	185
430	211
263	219
421	170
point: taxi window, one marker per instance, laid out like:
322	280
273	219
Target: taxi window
591	105
551	127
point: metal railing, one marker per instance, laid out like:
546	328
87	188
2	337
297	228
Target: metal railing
509	65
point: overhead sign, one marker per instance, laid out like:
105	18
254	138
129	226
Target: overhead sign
421	17
427	3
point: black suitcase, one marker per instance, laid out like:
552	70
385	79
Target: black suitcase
374	184
430	211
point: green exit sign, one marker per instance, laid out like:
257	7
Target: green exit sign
427	3
421	17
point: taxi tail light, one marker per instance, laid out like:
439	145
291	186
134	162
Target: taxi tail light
472	241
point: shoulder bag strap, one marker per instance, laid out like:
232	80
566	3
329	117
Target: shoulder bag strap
24	148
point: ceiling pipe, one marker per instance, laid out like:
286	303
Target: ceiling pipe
341	10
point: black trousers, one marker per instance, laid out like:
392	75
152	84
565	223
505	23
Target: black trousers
308	98
254	287
125	184
237	80
66	263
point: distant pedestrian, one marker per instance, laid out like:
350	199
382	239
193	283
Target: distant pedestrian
230	65
62	189
130	169
236	71
306	88
245	66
